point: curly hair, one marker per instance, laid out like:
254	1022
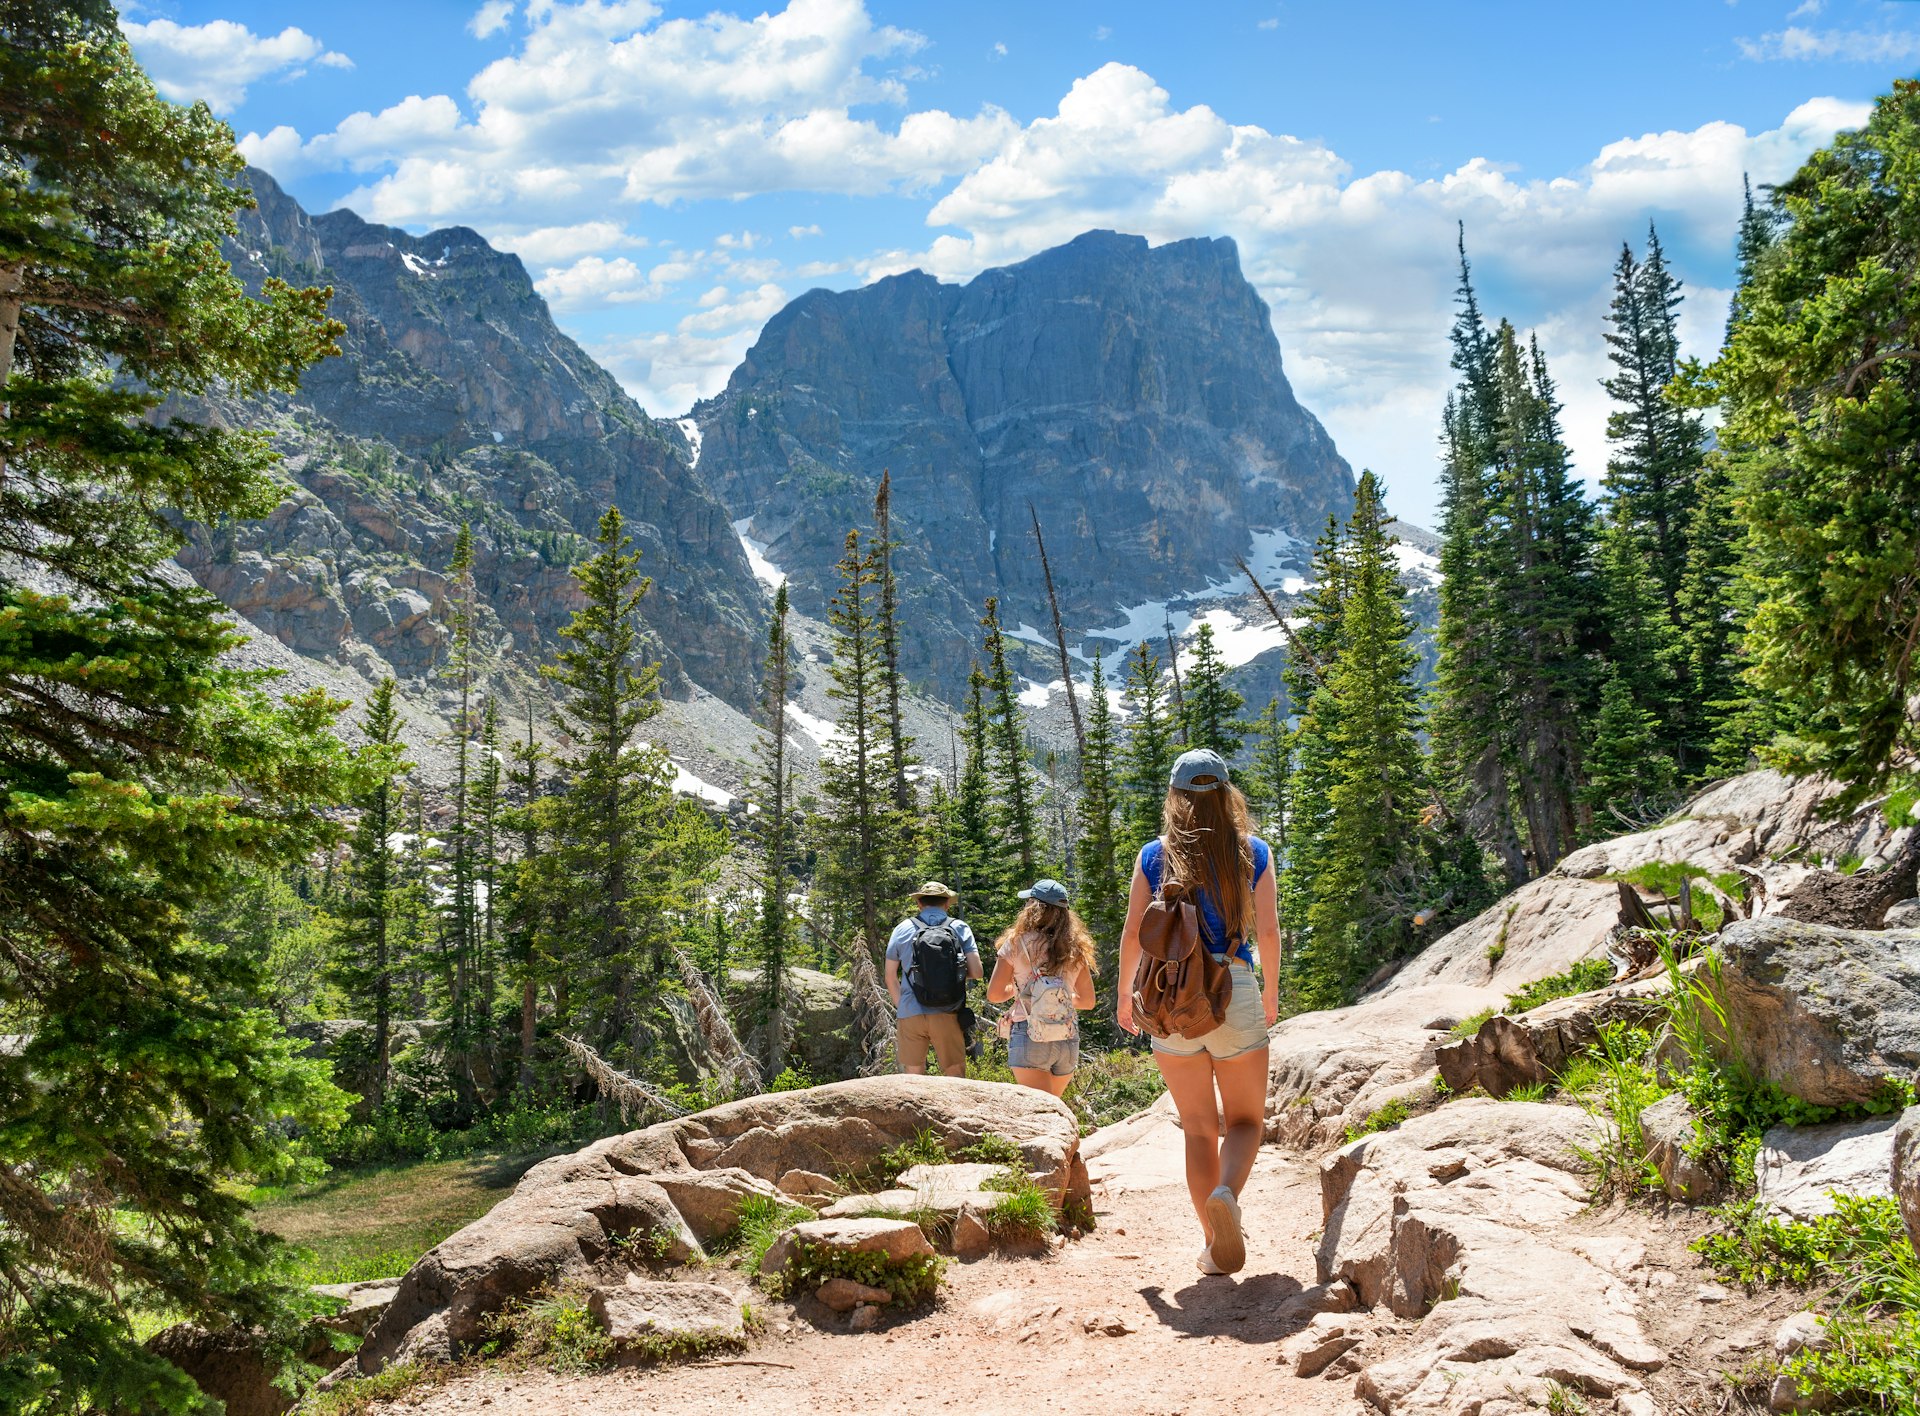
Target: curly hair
1209	847
1064	940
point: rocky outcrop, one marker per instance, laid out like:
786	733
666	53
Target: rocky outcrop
1670	1136
1799	1168
1544	927
1459	1219
457	399
1134	395
1906	1170
1825	1014
1330	1070
820	1009
681	1184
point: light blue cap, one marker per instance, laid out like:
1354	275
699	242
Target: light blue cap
1200	770
1048	892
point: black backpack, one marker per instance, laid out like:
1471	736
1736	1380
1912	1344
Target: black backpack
938	975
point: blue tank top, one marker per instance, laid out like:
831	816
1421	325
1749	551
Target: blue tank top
1213	929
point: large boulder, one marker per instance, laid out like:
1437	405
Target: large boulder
1799	1168
1906	1170
820	1008
1545	927
1330	1070
1458	1218
681	1184
227	1364
659	1318
1823	1013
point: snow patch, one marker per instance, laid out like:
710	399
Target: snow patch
691	430
1417	564
416	265
1038	695
820	730
1238	641
499	437
686	784
764	570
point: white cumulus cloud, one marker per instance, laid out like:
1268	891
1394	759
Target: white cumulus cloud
1852	46
490	18
218	60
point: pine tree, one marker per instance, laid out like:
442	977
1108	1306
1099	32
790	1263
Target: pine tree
899	745
1101	886
1211	707
858	841
1376	790
143	776
1015	786
459	912
983	877
487	806
1641	651
1269	775
367	958
1820	389
1147	757
614	795
1728	716
1759	227
772	929
524	893
1626	770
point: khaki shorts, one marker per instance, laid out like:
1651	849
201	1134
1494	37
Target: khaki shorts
1243	1030
939	1031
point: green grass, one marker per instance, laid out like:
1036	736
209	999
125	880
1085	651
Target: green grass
374	1223
358	1396
1618	1086
1023	1209
1664	877
1111	1086
1390	1115
1470	1025
763	1220
1756	1249
1583	977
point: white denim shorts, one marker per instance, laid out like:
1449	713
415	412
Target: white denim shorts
1243	1030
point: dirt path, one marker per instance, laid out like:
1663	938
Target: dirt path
1116	1323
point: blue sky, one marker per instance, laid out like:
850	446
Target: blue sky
672	174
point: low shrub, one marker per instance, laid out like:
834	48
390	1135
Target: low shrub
1583	977
762	1220
405	1131
1388	1116
1757	1249
909	1281
1111	1086
1023	1209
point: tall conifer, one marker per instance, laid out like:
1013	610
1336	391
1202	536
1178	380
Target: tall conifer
1211	716
1017	790
859	847
1102	888
772	928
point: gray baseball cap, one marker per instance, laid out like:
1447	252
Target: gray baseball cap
1048	892
1200	770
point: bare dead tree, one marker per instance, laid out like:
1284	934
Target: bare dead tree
633	1096
732	1062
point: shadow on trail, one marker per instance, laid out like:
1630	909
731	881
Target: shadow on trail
1253	1309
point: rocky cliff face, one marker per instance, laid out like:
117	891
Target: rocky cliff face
1133	396
458	399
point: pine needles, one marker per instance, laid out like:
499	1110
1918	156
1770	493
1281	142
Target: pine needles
633	1096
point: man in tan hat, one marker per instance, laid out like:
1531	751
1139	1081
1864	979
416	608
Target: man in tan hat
930	959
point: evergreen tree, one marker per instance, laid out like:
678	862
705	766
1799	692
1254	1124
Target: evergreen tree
459	913
858	835
982	877
899	745
1641	652
1759	226
523	894
614	796
1626	770
366	960
1147	757
1102	889
487	806
1375	786
1728	716
1820	388
142	775
1269	775
1211	707
772	929
1015	786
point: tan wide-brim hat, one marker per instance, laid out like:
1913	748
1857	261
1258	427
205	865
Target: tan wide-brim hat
934	890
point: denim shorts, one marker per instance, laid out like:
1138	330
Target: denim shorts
1243	1030
1059	1058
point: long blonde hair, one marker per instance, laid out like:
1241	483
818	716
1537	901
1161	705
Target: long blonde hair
1064	940
1209	846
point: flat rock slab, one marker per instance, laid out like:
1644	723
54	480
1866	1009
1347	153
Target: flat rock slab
898	1239
942	1189
644	1312
1799	1167
365	1301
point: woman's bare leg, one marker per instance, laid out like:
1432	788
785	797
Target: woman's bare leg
1243	1106
1041	1080
1190	1079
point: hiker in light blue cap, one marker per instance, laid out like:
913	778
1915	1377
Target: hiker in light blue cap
1207	849
1044	971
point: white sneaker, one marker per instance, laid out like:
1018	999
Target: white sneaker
1207	1265
1229	1247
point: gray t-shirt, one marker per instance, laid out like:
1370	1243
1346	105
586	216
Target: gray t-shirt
900	950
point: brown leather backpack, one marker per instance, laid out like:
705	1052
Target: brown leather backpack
1178	987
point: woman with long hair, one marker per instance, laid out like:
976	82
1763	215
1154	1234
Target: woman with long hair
1044	968
1218	1080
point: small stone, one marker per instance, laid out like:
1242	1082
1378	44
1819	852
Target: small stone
1801	1330
809	1185
1785	1396
898	1239
778	1252
843	1294
1712	1293
1635	1403
865	1318
1335	1297
971	1237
